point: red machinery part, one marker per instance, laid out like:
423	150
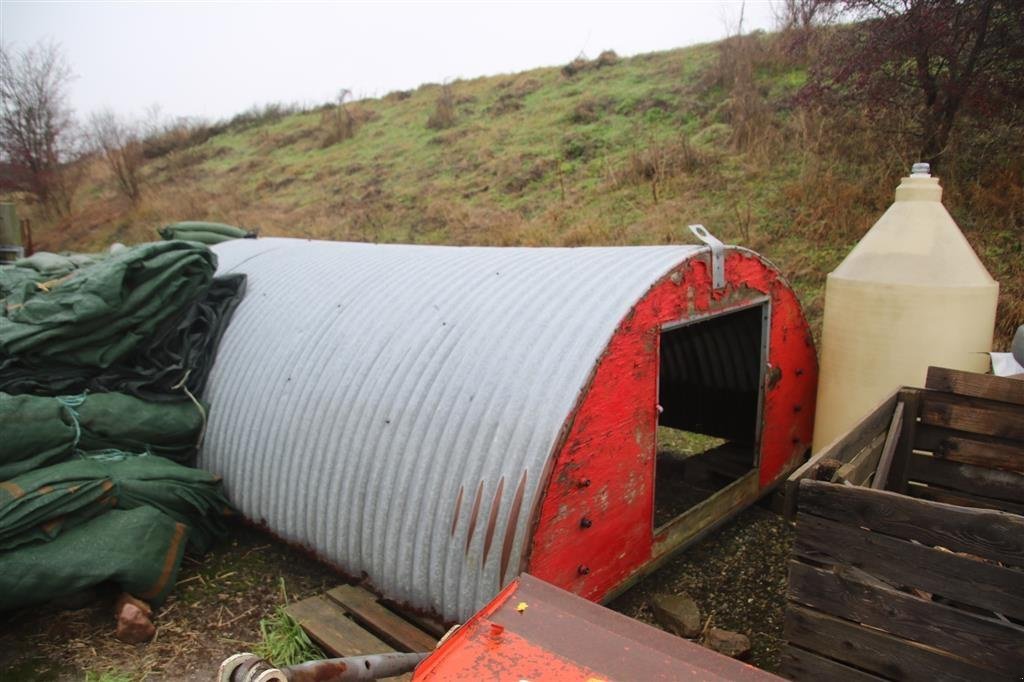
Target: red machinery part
535	631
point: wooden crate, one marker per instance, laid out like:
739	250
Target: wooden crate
959	440
923	580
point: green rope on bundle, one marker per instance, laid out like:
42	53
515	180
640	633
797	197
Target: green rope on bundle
70	402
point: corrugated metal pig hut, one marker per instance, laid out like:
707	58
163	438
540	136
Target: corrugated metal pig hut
439	419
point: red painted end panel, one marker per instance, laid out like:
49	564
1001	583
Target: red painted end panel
604	470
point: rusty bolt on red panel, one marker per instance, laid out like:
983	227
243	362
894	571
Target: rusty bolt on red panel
586	523
583	569
585	483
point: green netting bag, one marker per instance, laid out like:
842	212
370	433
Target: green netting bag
99	313
203	232
83	487
40	430
140	549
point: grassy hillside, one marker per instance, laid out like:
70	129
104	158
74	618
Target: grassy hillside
610	151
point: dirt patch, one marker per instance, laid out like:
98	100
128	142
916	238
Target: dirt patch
214	612
737	576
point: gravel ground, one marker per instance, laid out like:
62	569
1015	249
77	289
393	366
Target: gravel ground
737	577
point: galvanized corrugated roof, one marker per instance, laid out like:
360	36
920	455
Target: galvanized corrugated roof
394	407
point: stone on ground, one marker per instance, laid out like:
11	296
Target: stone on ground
133	620
677	613
727	642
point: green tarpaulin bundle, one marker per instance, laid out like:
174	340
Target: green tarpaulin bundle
203	232
98	314
139	549
145	320
50	512
38	431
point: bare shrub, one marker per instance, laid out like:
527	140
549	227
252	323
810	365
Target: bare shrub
581	63
577	65
606	58
120	144
591	109
444	114
658	162
337	122
37	134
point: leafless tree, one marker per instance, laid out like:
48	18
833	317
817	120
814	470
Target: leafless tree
120	143
804	15
37	135
930	61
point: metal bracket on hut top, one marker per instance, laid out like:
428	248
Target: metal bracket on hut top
717	254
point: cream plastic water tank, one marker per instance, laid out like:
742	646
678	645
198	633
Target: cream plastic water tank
911	294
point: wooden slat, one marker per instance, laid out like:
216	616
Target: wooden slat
328	625
801	665
889	449
859	469
431	626
1001	485
841	449
873	650
384	623
977	385
973	415
983	451
695	520
988	642
934	493
993	535
970	581
897	479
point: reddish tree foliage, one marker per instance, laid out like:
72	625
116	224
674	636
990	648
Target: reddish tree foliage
928	61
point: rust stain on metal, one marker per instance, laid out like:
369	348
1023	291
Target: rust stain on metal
510	528
458	508
473	514
492	519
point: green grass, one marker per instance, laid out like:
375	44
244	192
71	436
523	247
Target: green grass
108	677
284	641
539	158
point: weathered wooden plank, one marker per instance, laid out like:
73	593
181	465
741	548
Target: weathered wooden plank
801	665
993	535
381	621
889	449
970	581
897	479
876	651
936	493
988	642
983	451
973	415
1001	485
692	522
841	449
976	385
859	469
328	625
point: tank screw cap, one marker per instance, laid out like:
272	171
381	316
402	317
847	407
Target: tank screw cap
921	170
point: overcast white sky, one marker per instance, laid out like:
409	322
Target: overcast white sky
214	59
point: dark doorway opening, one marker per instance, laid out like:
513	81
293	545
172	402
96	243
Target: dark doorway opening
709	392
